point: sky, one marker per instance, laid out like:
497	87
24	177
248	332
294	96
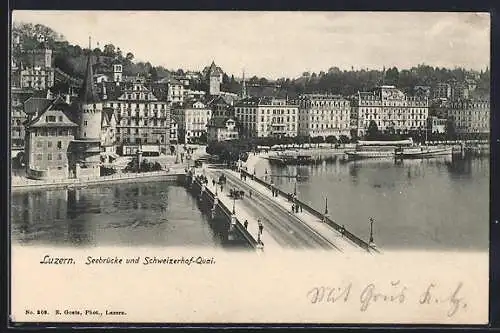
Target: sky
280	44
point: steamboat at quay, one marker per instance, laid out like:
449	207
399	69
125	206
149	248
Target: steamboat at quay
286	159
399	149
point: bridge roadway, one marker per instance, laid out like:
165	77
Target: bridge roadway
284	227
310	224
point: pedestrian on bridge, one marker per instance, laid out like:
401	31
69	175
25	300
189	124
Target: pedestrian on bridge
261	227
246	224
213	182
250	193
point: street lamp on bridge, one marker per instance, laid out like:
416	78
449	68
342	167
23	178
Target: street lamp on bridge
234	203
371	230
326	209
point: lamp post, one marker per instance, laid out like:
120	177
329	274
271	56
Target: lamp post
326	209
371	230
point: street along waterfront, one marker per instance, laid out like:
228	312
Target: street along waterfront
439	203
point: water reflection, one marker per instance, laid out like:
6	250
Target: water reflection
440	203
158	214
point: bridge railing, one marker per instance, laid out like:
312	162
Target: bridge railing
353	238
244	232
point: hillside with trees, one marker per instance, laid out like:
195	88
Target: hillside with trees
71	59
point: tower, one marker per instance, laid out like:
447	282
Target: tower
90	107
86	148
214	84
243	87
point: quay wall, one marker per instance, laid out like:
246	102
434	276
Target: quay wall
112	179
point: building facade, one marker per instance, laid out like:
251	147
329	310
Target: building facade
470	116
192	119
324	115
108	134
436	125
142	119
174	131
175	91
38	78
390	109
221	129
49	134
221	107
442	90
18	117
267	117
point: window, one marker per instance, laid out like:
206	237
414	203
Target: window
60	118
50	119
39	144
38	157
49	144
85	123
59	144
49	157
84	134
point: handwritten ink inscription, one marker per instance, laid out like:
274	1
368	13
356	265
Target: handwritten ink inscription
394	293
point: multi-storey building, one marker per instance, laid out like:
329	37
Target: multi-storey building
267	117
436	125
192	119
18	117
470	116
442	90
175	91
459	91
49	134
324	115
37	71
174	131
221	106
390	109
108	134
38	78
143	120
221	129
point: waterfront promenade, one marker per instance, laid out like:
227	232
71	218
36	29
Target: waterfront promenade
23	183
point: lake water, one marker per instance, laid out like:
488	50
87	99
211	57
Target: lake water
140	214
439	203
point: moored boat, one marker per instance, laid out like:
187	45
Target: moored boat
377	149
423	152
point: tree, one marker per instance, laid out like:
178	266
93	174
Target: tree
109	50
129	56
344	139
450	129
331	139
373	131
